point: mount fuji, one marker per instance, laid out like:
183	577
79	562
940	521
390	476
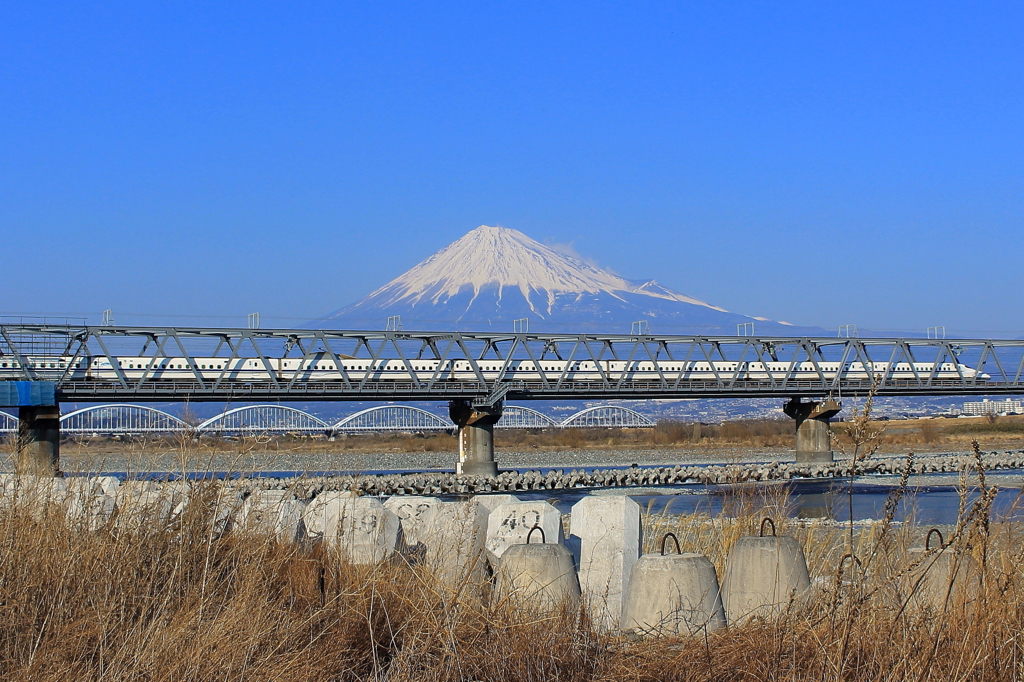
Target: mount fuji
495	275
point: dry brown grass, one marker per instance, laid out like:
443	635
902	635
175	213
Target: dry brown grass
180	603
183	602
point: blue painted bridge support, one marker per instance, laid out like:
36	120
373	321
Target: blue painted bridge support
37	443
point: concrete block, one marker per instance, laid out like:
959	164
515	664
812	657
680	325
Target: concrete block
509	524
131	489
85	502
608	529
154	502
226	506
538	576
323	511
672	594
177	491
762	576
492	502
271	512
360	528
180	491
46	485
108	484
943	580
37	495
411	511
453	535
94	511
81	498
152	509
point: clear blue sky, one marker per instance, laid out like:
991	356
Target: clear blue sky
821	163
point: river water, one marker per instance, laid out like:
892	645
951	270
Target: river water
935	503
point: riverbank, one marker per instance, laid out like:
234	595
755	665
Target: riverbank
185	597
669	443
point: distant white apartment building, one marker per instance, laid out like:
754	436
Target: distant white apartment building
1007	406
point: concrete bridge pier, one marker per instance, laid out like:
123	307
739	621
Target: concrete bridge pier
476	436
37	448
813	440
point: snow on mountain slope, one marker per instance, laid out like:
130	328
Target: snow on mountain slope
493	275
508	259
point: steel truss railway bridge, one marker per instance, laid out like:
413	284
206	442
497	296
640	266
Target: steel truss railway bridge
476	404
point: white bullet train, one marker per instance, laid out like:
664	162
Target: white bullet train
324	369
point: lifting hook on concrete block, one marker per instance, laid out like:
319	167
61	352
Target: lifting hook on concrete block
674	539
842	564
543	539
768	521
928	539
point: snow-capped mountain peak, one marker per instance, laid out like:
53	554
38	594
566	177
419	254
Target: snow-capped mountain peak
507	259
493	277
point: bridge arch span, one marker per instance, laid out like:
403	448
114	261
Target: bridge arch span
263	419
8	423
518	417
608	416
120	419
392	418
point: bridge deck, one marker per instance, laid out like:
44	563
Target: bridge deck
1001	360
87	391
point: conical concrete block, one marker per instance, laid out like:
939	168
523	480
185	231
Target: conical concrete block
673	594
763	575
942	579
538	576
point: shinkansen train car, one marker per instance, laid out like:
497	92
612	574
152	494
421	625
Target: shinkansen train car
327	369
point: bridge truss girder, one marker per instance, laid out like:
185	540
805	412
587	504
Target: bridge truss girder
1003	360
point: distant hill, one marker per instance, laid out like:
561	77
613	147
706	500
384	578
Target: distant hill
494	275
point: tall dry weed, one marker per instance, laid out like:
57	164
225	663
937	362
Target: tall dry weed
183	600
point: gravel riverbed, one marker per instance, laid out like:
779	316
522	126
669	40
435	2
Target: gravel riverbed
360	462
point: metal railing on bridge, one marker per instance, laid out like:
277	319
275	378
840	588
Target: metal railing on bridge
142	420
204	359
